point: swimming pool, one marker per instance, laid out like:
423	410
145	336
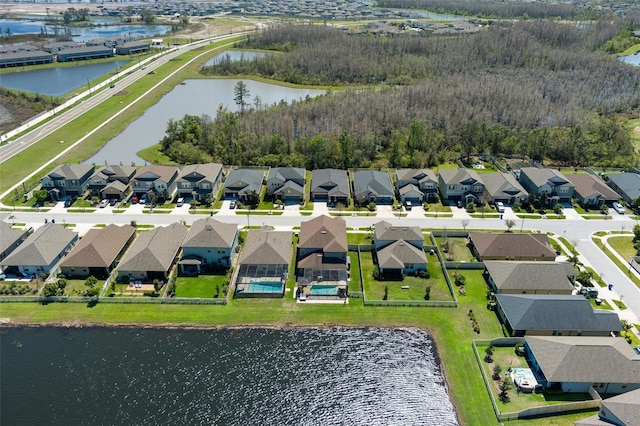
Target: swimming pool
264	287
324	290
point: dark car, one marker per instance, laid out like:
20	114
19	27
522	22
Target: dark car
112	202
70	201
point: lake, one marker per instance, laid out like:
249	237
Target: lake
58	81
194	97
372	376
236	55
631	59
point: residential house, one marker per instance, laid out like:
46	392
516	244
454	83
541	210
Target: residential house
627	185
40	251
503	187
209	245
263	267
10	239
323	263
97	252
399	249
330	185
576	364
416	185
152	254
67	180
620	410
515	277
286	184
554	315
111	182
548	181
161	180
461	185
590	190
199	181
372	186
508	246
244	184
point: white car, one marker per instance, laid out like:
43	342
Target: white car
618	207
103	204
500	207
180	202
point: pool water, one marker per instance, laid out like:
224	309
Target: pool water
324	290
264	287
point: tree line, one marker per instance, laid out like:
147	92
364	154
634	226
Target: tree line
534	88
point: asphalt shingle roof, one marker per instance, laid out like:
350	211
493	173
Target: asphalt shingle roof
325	233
209	232
265	247
99	247
541	276
154	250
517	245
42	247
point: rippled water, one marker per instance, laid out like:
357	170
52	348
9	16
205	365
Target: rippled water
228	377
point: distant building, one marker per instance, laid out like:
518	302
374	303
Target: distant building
84	53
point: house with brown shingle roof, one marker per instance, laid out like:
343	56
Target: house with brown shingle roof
112	179
399	249
97	252
322	254
41	251
152	254
263	267
209	245
200	181
575	364
416	185
517	277
159	179
461	185
509	246
590	190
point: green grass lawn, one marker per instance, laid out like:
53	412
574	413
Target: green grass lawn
76	287
203	286
457	249
354	283
623	245
359	238
374	290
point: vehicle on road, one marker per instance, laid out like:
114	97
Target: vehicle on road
112	86
104	203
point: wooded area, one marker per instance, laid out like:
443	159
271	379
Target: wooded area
534	88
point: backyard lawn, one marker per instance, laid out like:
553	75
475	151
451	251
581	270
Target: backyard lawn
354	283
374	290
457	250
203	286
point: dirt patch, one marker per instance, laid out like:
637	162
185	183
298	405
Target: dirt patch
636	129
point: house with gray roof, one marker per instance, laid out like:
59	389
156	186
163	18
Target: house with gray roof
286	184
627	185
160	180
503	187
264	262
244	184
67	180
97	252
399	249
574	364
322	258
111	182
514	277
550	181
25	58
83	53
372	186
10	239
330	185
209	245
554	315
619	410
461	185
153	254
590	190
132	47
41	251
510	246
416	185
199	181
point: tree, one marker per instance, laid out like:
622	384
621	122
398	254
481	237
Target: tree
496	372
574	259
50	290
460	279
510	224
427	293
465	223
40	195
505	385
147	16
386	293
241	94
91	282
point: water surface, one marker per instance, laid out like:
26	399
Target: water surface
193	97
96	376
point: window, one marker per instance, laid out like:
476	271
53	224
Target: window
205	185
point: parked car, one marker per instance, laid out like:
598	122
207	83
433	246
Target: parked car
589	292
134	200
500	207
143	199
232	204
180	202
619	208
104	203
112	202
70	201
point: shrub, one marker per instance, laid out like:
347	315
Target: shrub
424	274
